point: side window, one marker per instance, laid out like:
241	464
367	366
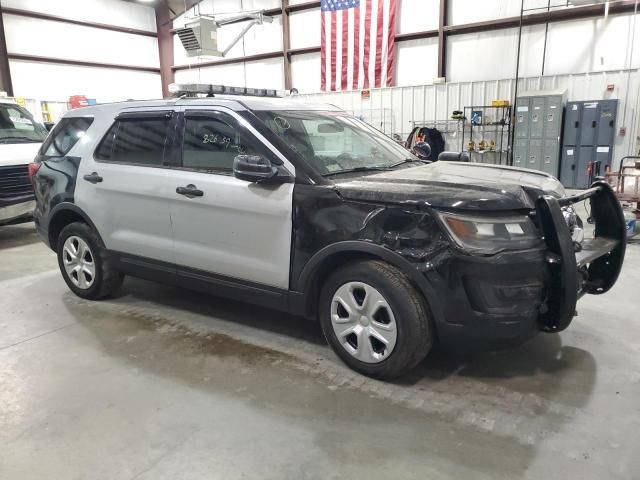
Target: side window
137	141
65	135
105	148
212	141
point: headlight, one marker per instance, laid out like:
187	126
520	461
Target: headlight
488	235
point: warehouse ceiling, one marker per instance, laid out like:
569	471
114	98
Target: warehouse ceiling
177	7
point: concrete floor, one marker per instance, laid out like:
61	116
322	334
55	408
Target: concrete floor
161	383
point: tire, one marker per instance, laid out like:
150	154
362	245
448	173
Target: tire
396	305
92	280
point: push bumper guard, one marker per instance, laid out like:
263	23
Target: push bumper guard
592	269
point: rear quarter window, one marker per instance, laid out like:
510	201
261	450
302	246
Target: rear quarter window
64	136
135	141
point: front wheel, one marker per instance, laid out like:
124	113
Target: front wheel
375	320
84	264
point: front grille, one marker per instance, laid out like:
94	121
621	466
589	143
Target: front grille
14	182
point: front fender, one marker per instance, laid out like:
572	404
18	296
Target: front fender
335	254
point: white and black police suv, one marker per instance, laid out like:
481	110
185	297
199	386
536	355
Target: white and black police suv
309	210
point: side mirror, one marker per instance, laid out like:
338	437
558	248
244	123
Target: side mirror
253	168
422	150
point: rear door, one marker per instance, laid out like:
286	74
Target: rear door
233	228
123	187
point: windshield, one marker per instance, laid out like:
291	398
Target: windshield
335	142
18	126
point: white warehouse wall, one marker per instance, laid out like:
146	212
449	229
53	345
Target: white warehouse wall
396	110
572	46
45	38
260	39
110	12
582	56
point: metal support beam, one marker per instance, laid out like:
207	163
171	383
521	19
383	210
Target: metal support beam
575	13
71	21
231	61
286	45
165	46
81	63
442	39
5	72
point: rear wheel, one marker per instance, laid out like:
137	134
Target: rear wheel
374	319
84	264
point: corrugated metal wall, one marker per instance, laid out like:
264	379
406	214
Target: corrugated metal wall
395	110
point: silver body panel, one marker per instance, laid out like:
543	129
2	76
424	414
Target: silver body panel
237	229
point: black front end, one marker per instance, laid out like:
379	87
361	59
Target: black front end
501	300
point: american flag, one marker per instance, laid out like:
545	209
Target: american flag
358	38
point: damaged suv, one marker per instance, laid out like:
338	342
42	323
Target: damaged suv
308	210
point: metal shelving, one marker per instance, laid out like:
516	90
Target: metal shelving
484	121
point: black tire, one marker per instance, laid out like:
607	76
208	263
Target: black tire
413	322
107	280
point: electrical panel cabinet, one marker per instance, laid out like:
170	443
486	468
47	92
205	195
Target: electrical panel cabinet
537	131
589	134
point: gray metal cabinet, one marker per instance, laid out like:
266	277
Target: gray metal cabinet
536	119
535	154
549	157
520	152
553	118
539	117
522	118
607	123
586	155
569	165
589	123
589	132
573	114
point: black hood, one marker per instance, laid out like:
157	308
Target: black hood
452	185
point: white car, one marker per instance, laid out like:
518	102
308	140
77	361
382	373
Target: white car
20	138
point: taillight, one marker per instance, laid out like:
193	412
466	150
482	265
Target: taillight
33	169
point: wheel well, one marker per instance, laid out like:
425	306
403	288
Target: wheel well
326	268
58	222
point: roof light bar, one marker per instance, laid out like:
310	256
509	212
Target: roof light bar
208	90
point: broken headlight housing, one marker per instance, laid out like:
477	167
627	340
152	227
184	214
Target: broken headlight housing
489	235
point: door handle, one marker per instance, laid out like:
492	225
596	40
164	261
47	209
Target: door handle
93	178
190	191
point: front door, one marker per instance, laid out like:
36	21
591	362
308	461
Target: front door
123	186
222	225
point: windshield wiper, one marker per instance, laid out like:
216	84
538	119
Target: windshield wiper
24	139
411	160
359	169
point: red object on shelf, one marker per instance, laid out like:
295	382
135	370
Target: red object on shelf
78	101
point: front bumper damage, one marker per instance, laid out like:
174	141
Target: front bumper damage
591	268
502	300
